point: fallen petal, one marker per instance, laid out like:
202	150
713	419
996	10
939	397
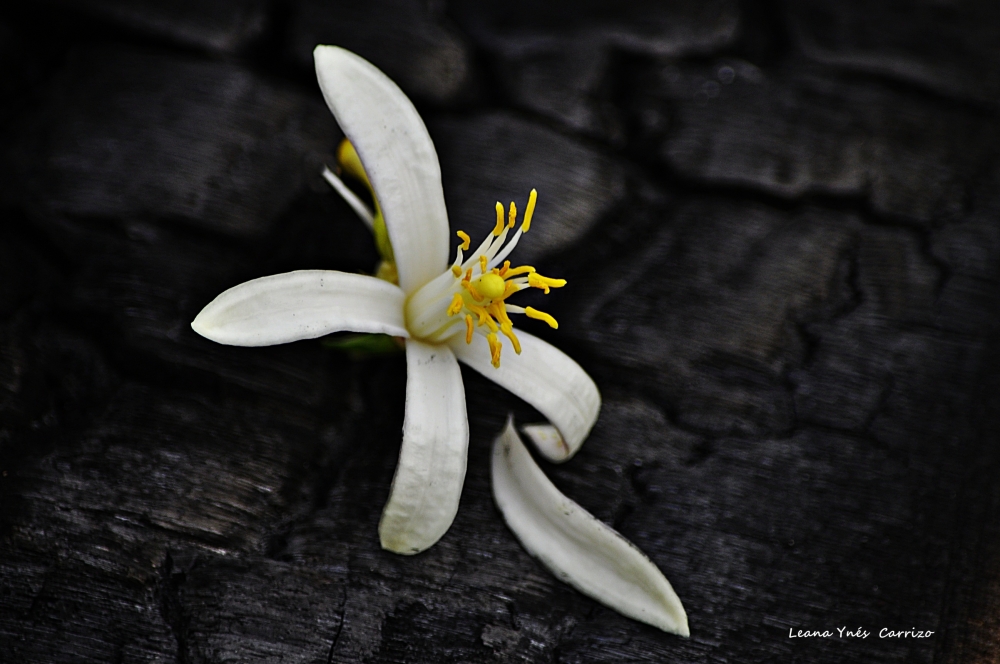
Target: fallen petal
575	546
548	379
425	491
546	438
302	305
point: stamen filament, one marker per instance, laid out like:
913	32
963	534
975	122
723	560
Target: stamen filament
505	252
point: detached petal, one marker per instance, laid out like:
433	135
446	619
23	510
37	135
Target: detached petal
575	546
546	378
425	491
398	155
302	305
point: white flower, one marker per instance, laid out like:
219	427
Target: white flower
444	312
447	313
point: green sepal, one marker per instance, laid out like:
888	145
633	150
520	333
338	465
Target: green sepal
361	346
381	233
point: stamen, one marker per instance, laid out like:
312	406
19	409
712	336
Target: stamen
532	197
500	224
467	285
531	312
536	280
503	270
465	240
457	303
468	328
456	270
508	331
513	215
479	311
468	275
494	348
513	308
497	311
521	269
482	264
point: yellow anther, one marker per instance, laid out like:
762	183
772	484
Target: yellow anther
482	264
491	285
521	269
468	328
509	290
468	275
498	311
500	224
456	270
536	280
503	270
457	302
350	162
495	348
480	311
508	331
531	312
526	224
464	237
513	215
467	285
495	271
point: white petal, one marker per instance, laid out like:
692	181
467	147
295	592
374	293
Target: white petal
358	205
546	378
575	546
302	305
398	156
424	497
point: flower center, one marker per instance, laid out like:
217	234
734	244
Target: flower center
472	294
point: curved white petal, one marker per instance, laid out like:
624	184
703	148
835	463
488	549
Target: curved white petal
546	378
302	305
425	491
398	156
575	546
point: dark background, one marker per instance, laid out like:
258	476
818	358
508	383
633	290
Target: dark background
779	222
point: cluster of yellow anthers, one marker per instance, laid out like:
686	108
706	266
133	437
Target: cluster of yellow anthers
483	299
